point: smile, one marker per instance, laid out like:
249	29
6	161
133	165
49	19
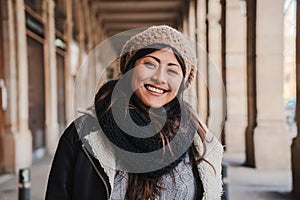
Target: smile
154	89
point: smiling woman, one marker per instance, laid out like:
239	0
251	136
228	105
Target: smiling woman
157	77
141	140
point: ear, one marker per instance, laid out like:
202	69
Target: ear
190	78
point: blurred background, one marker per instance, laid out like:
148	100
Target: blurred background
252	44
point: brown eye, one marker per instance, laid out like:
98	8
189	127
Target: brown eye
150	64
172	71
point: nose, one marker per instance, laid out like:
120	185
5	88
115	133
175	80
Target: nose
159	75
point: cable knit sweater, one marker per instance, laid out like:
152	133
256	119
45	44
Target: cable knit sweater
210	177
180	184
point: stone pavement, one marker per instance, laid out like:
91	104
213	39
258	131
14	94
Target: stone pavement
39	175
246	183
243	183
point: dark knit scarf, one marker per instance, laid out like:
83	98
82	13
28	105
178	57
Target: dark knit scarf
139	114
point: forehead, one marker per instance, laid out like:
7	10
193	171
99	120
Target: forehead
163	54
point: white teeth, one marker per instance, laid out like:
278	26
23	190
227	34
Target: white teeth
153	89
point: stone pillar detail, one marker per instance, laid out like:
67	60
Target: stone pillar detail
80	100
18	139
91	74
215	82
69	55
185	28
236	77
11	81
90	79
271	136
52	129
296	141
202	60
191	93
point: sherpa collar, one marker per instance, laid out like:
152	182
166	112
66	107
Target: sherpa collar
211	178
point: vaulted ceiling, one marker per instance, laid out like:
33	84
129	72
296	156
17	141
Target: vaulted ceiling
116	16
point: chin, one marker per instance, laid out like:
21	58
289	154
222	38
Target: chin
154	104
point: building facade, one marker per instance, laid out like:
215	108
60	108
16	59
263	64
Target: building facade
240	45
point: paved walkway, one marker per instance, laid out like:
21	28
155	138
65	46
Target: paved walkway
39	175
243	183
246	183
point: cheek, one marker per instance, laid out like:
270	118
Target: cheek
137	77
175	84
139	74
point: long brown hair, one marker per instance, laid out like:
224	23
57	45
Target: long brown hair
140	187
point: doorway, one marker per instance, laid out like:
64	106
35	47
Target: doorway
36	79
61	110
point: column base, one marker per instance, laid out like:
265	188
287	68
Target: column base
17	151
272	146
235	136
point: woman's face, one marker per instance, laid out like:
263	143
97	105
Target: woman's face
157	78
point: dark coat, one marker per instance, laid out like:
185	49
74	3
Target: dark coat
72	175
77	175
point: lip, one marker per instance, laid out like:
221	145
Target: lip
154	89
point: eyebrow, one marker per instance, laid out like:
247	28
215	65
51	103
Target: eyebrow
159	61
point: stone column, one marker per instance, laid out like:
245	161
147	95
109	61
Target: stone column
271	136
202	60
79	100
191	93
52	129
9	55
215	82
185	28
236	76
91	74
68	56
101	57
296	141
18	138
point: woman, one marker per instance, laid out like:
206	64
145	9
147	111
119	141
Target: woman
141	140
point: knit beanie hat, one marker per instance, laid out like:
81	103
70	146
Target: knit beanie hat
165	35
